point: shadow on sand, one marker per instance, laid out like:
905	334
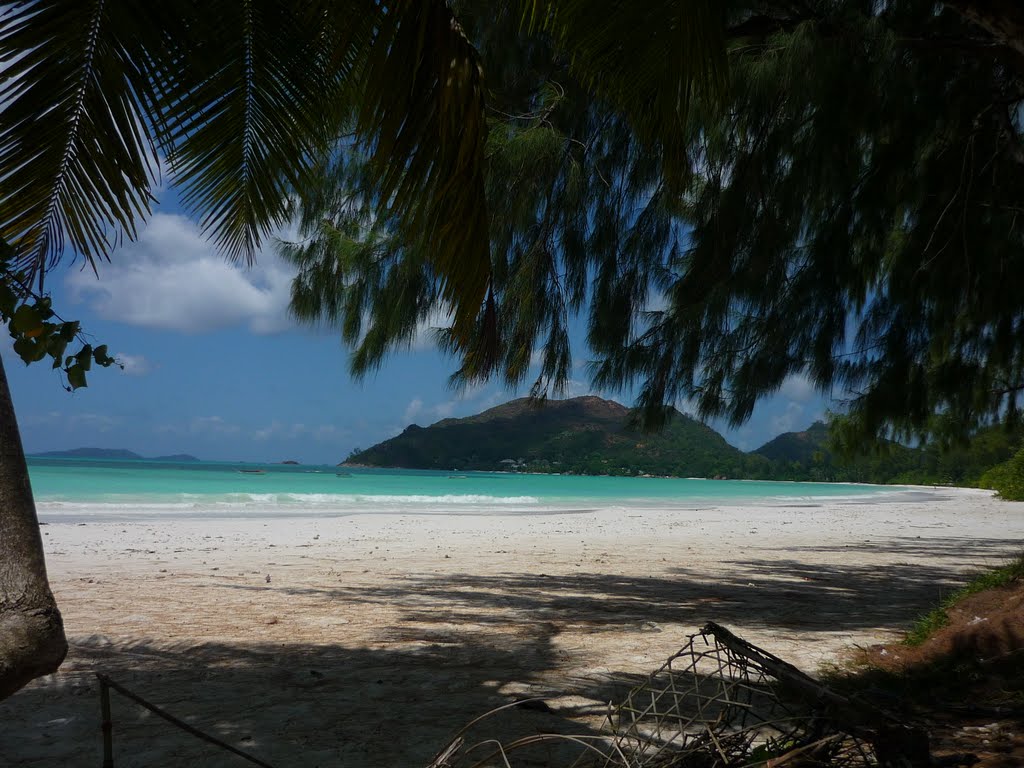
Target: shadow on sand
464	644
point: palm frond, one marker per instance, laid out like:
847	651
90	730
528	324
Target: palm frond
75	155
247	101
242	97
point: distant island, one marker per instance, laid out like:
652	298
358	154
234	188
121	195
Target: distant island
114	454
592	436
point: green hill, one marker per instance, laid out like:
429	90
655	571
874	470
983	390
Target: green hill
806	456
110	454
797	446
584	435
119	454
589	435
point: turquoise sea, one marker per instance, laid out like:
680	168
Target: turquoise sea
140	489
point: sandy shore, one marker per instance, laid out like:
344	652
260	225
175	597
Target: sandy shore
376	637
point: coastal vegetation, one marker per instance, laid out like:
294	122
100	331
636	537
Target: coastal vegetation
927	625
1007	478
846	210
592	436
728	193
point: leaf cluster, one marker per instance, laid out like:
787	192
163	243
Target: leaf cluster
850	214
239	101
39	334
1007	478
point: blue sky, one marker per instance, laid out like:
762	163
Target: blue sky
216	368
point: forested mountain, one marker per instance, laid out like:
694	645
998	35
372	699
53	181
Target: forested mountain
586	435
589	435
808	455
797	446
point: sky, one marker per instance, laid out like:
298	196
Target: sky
215	367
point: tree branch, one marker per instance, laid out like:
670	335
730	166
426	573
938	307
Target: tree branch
1002	19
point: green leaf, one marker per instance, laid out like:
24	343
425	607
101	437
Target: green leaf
76	376
25	349
76	153
26	319
101	357
84	357
56	348
68	331
6	252
8	300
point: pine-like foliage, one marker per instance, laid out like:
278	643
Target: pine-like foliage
855	217
851	212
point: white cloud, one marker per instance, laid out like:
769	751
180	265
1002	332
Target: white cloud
50	418
426	330
328	432
417	412
577	388
277	430
413	409
97	422
799	388
174	278
58	422
133	365
444	410
687	405
201	425
790	419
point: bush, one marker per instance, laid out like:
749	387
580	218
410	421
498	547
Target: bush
1007	478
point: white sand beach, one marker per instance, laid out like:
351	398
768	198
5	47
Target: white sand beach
376	637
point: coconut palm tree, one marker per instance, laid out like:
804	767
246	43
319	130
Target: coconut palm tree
238	102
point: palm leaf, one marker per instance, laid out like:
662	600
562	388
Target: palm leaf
241	96
75	157
248	100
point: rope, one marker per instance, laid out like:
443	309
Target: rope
104	680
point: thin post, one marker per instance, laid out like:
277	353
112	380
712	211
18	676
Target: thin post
107	726
104	680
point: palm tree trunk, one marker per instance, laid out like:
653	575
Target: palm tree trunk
32	639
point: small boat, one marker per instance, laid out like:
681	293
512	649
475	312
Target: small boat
253	471
343	474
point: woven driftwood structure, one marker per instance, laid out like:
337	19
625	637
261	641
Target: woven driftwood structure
721	702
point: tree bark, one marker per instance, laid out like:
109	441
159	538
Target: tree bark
1002	19
32	639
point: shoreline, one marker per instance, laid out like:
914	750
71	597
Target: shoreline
374	625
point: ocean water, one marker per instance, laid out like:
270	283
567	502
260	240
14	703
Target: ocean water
74	488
